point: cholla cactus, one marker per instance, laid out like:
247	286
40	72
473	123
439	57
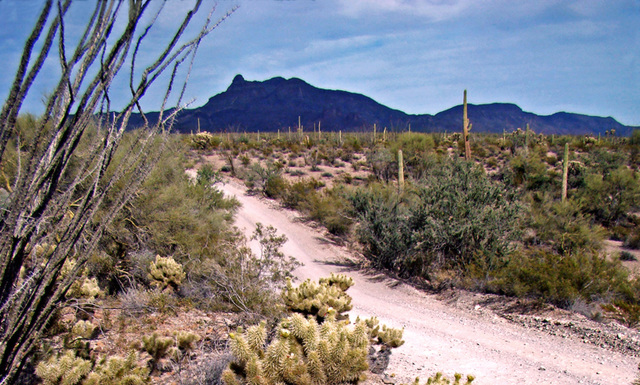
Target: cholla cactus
166	273
67	369
86	288
203	141
303	352
440	379
84	329
159	347
386	336
185	340
116	370
318	299
344	282
64	369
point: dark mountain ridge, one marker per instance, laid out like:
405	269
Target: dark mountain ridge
278	103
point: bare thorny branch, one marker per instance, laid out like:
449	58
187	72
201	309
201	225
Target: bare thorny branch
53	175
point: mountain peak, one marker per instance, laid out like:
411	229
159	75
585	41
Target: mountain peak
238	79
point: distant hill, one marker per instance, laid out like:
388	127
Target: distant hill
277	103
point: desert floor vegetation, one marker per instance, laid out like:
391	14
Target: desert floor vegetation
497	223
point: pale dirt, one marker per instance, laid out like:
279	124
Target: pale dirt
453	335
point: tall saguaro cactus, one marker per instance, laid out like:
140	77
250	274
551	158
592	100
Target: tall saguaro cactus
466	127
400	171
565	171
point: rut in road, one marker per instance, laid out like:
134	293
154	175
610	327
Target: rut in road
440	338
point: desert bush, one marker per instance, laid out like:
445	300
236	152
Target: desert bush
627	256
451	217
560	280
612	196
632	240
529	171
300	192
238	280
169	216
460	213
383	163
624	312
382	226
562	226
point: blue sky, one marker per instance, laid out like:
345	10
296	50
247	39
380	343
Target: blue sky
413	55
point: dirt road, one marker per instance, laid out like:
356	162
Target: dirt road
440	337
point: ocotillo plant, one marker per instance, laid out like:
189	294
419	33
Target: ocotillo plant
466	127
565	171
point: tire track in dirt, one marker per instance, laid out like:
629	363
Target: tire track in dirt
439	337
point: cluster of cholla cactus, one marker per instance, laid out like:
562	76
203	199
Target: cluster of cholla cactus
75	367
204	141
318	299
166	273
440	379
383	335
303	352
315	345
69	369
172	347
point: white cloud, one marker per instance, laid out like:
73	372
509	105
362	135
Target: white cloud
432	9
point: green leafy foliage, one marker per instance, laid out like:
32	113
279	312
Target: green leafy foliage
454	215
563	226
562	279
611	196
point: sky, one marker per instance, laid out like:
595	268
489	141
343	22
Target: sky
412	55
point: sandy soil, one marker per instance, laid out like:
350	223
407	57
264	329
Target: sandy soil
457	334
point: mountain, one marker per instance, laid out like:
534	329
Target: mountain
278	103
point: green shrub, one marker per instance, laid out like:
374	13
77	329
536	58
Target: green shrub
562	226
611	197
562	279
627	256
382	226
239	280
453	216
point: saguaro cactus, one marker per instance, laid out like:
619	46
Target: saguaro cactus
466	127
400	171
565	171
